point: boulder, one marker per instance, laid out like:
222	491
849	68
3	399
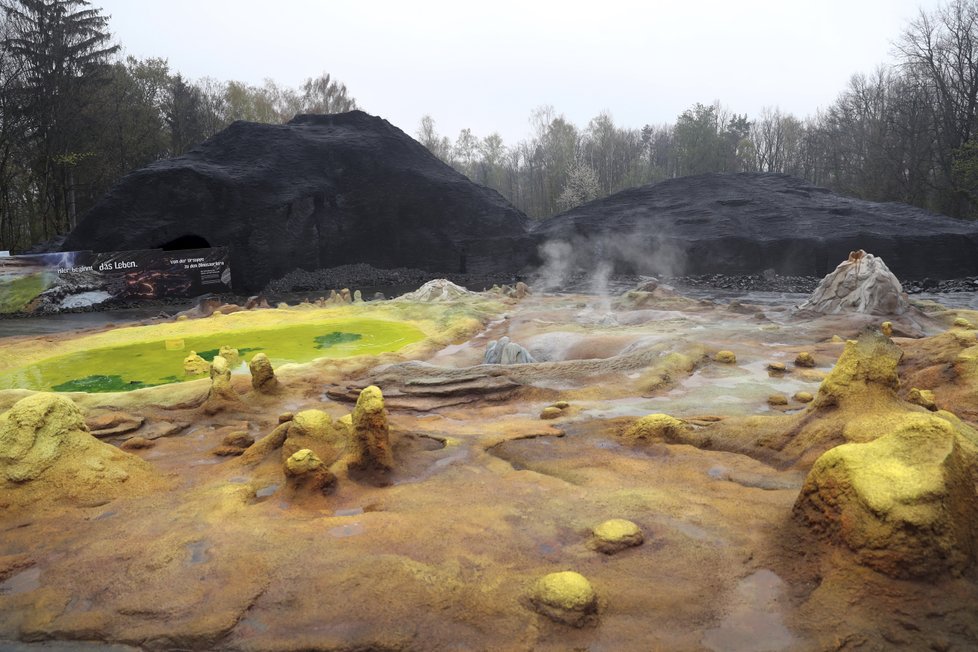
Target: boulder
904	503
113	423
566	597
306	473
923	398
504	351
862	283
805	359
550	412
725	357
750	222
616	535
320	191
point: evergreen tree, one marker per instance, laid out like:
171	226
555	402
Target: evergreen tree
63	47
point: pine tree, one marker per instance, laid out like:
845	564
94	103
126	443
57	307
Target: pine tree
63	46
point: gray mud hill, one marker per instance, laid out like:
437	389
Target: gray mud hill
318	192
747	223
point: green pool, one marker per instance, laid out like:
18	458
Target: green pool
145	364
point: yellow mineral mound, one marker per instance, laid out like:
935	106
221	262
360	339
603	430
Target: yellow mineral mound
656	428
904	503
47	455
565	597
867	366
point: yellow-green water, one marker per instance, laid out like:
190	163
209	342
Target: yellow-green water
145	364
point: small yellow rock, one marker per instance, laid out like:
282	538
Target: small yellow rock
887	328
561	405
961	322
777	399
803	397
566	597
725	357
302	461
182	318
805	359
837	340
812	375
923	397
616	534
550	412
777	367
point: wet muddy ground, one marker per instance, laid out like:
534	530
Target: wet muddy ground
486	497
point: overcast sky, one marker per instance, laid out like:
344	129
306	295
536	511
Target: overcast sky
488	65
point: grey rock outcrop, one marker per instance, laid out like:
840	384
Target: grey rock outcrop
862	283
503	351
438	290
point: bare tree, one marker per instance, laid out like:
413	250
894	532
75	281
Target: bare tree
940	49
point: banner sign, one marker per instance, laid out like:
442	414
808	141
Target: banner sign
45	283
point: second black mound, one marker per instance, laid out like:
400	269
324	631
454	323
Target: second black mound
748	223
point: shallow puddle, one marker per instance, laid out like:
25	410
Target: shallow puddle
22	582
754	622
347	530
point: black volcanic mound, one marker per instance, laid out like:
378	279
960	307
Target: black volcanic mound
747	223
320	191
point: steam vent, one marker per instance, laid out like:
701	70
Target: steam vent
747	223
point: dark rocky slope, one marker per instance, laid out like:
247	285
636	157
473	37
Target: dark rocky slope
331	190
321	191
747	223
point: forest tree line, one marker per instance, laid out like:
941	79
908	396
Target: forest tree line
76	115
905	132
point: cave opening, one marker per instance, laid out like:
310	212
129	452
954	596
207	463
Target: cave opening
186	241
